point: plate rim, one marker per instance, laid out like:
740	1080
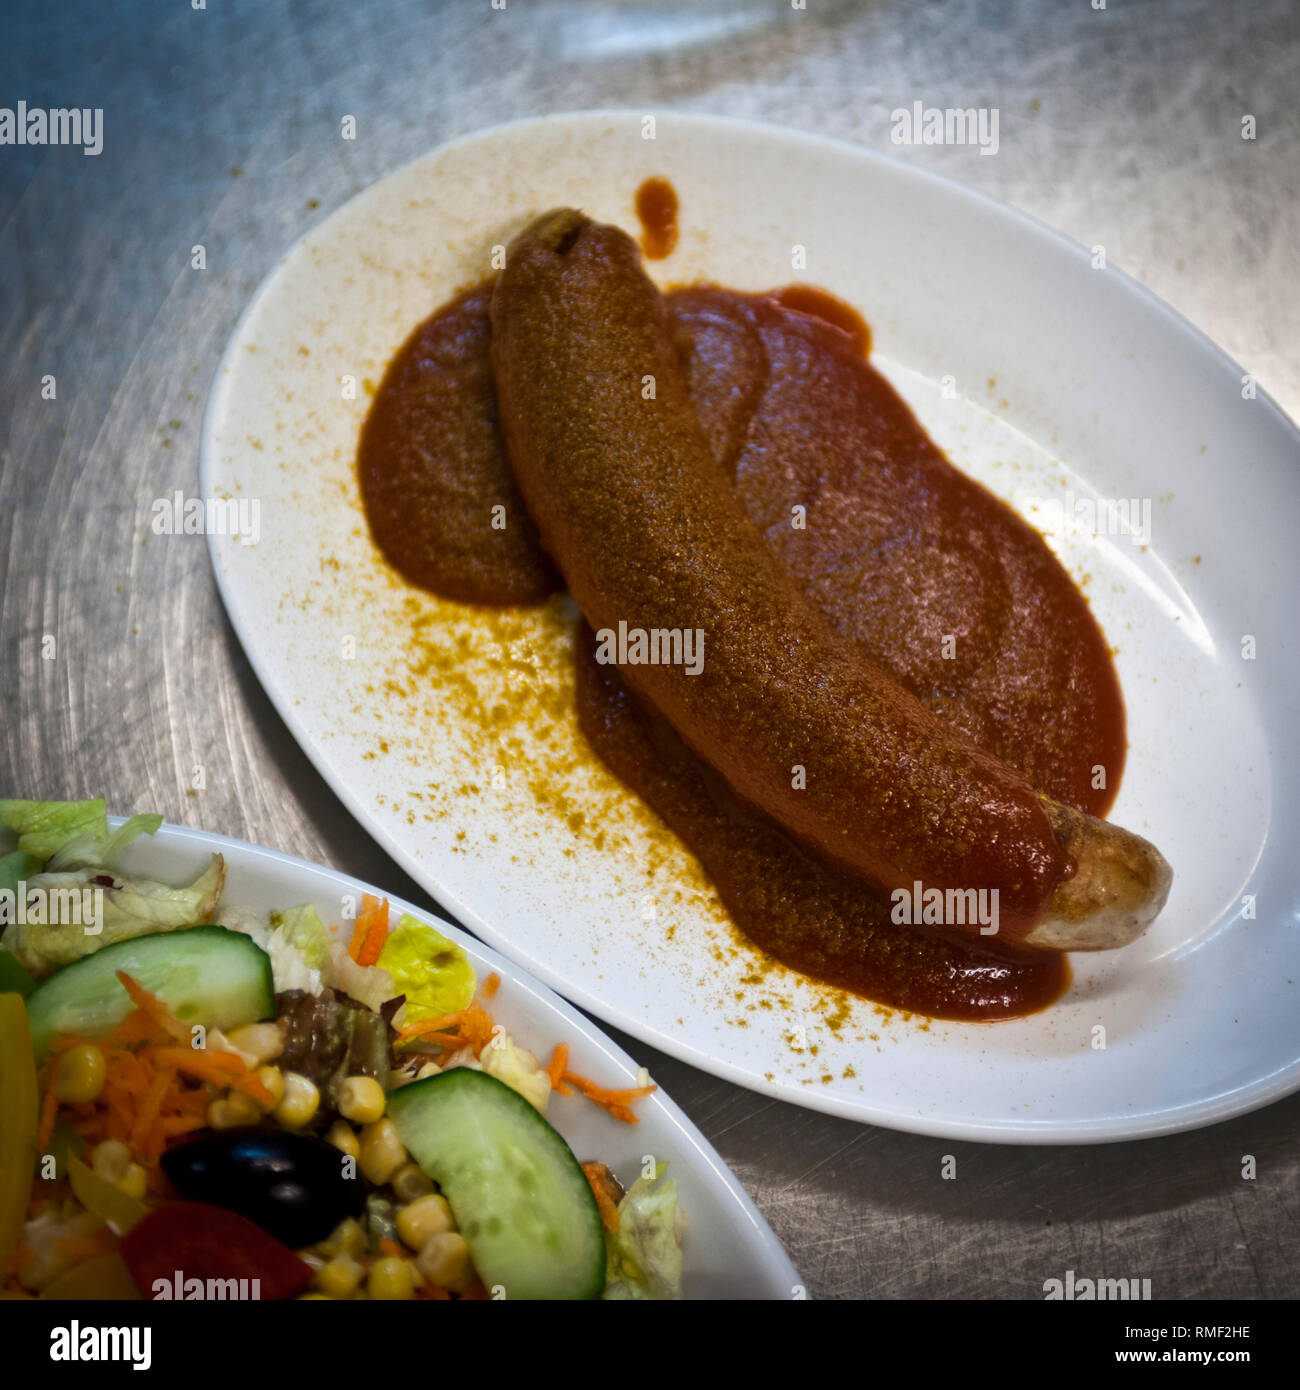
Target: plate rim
1193	1115
776	1262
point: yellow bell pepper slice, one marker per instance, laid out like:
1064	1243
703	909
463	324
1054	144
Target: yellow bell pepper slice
18	1106
104	1198
103	1279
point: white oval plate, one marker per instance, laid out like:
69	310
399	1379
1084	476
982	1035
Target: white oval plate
729	1250
449	731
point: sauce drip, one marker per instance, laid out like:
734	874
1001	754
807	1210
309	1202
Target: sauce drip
656	209
892	544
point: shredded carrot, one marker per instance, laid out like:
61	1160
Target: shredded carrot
129	1074
221	1068
555	1069
475	1025
172	1125
358	941
370	931
453	1042
49	1108
617	1103
119	1107
149	1095
491	985
136	1027
154	1007
143	1134
388	1246
603	1095
595	1174
208	1065
252	1085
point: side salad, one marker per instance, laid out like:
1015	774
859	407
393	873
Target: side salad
203	1101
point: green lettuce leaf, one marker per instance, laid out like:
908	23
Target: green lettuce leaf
644	1256
43	827
129	907
101	852
432	972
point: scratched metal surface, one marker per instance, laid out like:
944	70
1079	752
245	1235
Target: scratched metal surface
222	128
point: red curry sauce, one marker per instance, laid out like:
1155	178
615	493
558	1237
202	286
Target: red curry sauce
894	545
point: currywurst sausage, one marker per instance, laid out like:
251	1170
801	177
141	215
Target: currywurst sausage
648	533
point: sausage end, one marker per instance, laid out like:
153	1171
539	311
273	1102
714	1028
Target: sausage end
1119	885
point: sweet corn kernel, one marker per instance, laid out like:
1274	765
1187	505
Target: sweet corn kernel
347	1238
340	1277
110	1160
232	1110
361	1100
273	1079
382	1152
299	1102
390	1278
79	1074
134	1182
444	1260
261	1041
424	1218
344	1138
411	1182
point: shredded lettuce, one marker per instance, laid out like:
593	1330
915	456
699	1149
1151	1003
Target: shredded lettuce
307	956
289	967
63	836
100	851
517	1068
44	827
65	856
302	927
128	907
644	1256
370	985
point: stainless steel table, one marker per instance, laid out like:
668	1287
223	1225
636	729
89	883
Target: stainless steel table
1120	126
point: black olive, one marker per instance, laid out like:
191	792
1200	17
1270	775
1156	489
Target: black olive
295	1187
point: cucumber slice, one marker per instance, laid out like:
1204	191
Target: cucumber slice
519	1197
208	975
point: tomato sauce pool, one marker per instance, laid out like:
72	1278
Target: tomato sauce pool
929	574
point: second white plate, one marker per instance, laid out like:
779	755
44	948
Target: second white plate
449	732
729	1252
